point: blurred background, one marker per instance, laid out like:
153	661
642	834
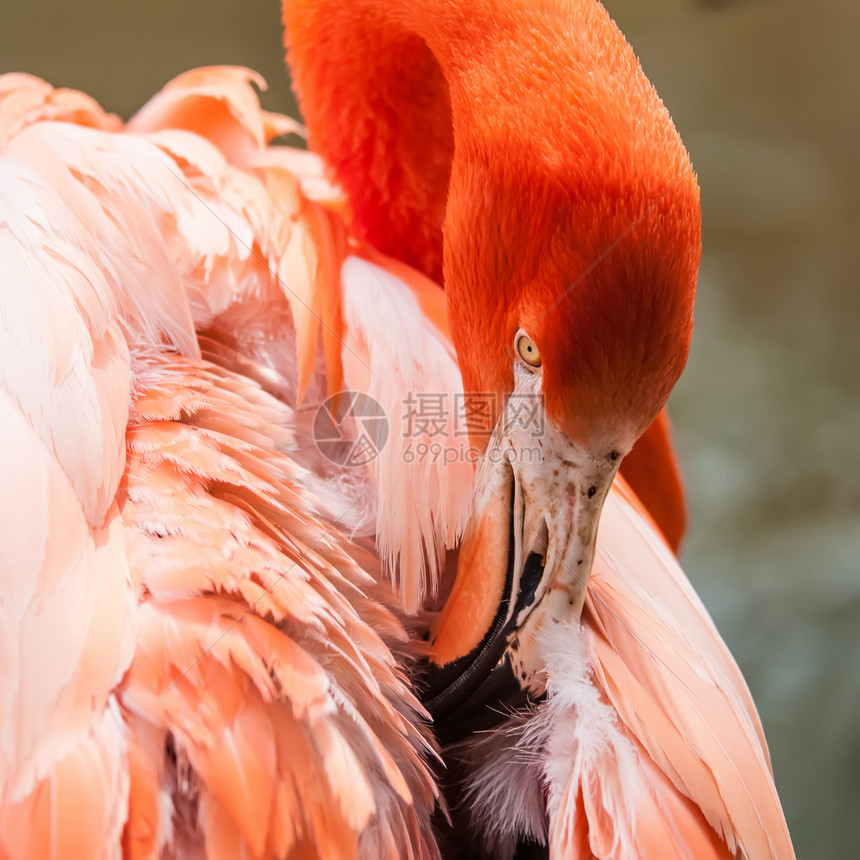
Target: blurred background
766	94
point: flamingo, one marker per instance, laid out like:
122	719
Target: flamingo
216	642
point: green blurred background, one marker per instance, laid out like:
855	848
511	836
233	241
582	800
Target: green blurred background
766	95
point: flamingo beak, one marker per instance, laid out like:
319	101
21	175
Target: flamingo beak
523	565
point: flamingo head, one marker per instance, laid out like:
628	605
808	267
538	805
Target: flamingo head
570	268
570	242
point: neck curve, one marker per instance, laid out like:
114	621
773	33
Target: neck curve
521	134
377	107
387	87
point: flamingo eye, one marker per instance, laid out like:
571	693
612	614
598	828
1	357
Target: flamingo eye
527	350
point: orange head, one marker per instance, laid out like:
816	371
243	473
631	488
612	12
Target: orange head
573	216
571	247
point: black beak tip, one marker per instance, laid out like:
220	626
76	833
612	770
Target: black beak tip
474	692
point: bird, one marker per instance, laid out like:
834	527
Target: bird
221	638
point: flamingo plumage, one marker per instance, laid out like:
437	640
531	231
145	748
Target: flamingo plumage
213	637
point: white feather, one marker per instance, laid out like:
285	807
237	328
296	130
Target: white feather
424	498
505	788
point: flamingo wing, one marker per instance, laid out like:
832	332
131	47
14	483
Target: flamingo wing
199	661
67	612
647	745
668	750
264	676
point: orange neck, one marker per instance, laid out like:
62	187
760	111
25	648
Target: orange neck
377	108
387	86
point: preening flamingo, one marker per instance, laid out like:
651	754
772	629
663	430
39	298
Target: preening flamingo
214	640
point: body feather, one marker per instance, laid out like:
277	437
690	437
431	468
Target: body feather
198	660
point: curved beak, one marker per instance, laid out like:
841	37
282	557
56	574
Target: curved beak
524	563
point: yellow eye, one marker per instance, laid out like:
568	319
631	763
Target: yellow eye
528	351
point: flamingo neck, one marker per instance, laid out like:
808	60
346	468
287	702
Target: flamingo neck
387	87
377	108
